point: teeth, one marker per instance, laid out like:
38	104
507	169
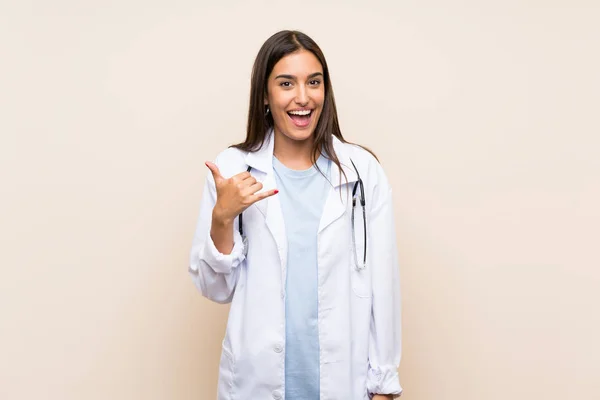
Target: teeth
303	112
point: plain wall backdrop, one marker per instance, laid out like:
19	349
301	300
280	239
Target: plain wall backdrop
484	115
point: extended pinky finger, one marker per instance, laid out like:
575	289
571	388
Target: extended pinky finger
265	194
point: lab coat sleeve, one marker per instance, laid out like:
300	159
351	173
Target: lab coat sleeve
215	274
385	330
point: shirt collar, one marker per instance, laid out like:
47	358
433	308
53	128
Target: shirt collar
262	159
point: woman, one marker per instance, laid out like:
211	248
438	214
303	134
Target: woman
296	231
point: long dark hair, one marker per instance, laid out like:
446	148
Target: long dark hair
259	122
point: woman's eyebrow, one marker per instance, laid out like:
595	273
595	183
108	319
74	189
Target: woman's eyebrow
292	77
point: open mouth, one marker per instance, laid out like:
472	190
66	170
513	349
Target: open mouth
300	118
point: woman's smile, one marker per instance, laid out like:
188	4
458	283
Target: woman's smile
301	117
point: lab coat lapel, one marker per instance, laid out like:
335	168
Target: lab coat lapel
275	223
335	205
340	193
262	163
270	208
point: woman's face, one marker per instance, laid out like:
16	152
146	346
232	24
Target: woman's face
295	95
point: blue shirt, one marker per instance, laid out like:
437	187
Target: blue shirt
302	195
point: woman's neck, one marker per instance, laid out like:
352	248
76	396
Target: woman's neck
294	154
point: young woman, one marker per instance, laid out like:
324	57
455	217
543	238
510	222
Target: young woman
296	231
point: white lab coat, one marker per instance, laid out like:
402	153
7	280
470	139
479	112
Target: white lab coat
358	310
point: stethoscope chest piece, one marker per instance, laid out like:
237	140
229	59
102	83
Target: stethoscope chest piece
245	244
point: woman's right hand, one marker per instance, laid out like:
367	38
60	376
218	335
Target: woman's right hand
235	194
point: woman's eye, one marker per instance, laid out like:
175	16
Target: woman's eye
315	82
285	84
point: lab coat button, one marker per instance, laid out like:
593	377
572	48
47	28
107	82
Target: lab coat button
278	348
277	395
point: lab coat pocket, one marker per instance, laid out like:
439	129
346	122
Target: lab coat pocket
226	374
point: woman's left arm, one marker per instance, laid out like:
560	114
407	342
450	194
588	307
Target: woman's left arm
382	397
385	330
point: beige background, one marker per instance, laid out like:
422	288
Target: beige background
484	115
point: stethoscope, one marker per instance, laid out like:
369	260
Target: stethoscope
358	184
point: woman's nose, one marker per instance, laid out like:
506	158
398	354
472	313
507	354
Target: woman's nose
301	96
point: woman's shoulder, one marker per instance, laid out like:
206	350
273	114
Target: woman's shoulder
359	153
369	167
364	159
231	161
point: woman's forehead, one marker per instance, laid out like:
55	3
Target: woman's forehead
300	63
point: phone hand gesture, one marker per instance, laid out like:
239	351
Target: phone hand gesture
235	194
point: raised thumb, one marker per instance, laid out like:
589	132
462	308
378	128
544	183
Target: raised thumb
214	171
